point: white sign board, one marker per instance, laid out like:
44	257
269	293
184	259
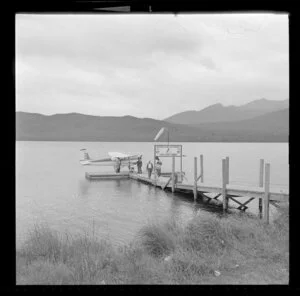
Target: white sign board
165	150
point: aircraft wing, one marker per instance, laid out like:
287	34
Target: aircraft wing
123	156
118	155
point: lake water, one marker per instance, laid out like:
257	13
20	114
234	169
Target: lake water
51	187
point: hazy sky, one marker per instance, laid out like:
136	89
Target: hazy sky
148	65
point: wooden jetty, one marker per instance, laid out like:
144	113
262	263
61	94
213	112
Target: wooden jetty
106	176
267	196
121	175
173	181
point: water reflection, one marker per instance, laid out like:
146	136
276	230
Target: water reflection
176	207
83	187
117	183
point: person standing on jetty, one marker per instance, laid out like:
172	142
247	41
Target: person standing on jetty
118	165
158	167
149	168
139	165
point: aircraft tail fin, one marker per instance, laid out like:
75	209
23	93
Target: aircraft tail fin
85	154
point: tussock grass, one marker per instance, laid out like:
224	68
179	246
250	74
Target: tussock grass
42	243
235	249
44	272
157	240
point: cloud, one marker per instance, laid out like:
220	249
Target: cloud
148	66
98	37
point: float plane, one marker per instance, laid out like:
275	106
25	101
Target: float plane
125	159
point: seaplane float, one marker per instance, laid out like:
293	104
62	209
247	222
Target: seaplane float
125	159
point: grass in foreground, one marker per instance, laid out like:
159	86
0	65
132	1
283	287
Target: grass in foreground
236	249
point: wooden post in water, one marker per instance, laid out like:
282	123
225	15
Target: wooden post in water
173	173
227	170
201	168
181	177
154	165
261	184
224	183
195	178
266	195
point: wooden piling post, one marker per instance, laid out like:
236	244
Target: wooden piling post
181	176
261	184
227	170
154	166
201	168
266	195
173	174
224	183
195	178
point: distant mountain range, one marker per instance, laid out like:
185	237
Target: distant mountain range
80	127
270	127
220	113
271	124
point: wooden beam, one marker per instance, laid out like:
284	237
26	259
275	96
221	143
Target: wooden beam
163	187
199	177
224	183
273	203
206	188
243	207
267	195
195	178
181	176
261	173
260	184
218	195
173	174
227	169
201	168
154	166
241	204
